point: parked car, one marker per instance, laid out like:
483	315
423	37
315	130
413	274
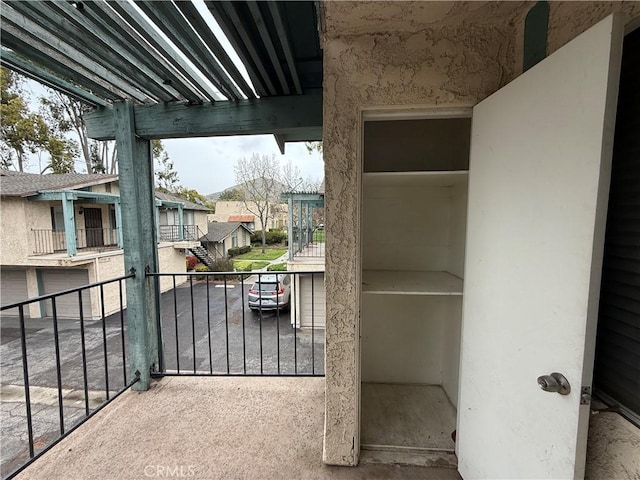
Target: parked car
270	292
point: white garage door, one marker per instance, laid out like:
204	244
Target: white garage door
318	298
13	286
67	306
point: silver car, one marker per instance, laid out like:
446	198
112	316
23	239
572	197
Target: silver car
270	292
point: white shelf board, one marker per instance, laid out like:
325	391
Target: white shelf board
415	179
410	283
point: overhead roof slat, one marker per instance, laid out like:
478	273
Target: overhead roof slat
254	9
169	59
34	72
172	23
285	42
197	22
230	23
114	26
123	59
53	17
38	38
46	56
131	15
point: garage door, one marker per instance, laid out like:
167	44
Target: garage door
13	286
318	298
67	305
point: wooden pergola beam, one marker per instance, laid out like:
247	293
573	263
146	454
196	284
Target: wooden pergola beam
298	117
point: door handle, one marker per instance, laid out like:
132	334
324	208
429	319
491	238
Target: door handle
556	382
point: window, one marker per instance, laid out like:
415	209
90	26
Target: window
234	240
244	237
57	219
188	217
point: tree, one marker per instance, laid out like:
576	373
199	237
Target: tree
24	132
21	131
62	153
313	147
231	195
65	115
260	178
193	196
166	175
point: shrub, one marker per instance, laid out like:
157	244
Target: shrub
201	268
272	237
277	267
235	251
191	262
222	265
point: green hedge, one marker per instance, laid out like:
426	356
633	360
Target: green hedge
235	251
272	237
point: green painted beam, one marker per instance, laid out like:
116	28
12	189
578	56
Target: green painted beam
226	15
290	228
282	115
280	141
49	195
40	39
259	22
195	19
173	24
535	35
136	19
49	59
11	60
128	38
285	43
305	197
140	250
69	224
62	19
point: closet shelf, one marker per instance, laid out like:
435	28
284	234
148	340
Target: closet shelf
395	282
415	179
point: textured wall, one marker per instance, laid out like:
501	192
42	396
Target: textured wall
409	55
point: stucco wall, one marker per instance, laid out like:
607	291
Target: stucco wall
411	55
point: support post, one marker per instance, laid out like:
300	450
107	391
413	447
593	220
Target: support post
290	242
300	231
156	209
140	250
69	224
119	223
180	222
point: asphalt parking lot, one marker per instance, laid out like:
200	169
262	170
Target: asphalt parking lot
214	334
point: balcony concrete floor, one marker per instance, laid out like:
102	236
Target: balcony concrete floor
210	428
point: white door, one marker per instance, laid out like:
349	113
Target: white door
538	186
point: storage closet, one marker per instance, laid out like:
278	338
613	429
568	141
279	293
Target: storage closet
414	204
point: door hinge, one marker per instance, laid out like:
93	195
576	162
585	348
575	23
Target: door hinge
585	395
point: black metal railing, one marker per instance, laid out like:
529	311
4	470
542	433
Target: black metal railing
69	368
171	233
216	324
53	241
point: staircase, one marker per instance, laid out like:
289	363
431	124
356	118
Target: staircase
194	233
202	255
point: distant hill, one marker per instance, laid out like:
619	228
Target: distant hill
216	195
